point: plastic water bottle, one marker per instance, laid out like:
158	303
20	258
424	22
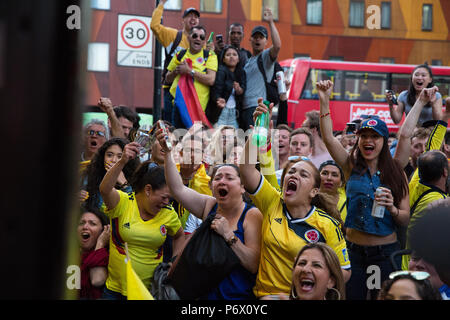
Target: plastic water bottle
261	130
378	210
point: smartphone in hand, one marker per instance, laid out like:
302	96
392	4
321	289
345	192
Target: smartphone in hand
162	126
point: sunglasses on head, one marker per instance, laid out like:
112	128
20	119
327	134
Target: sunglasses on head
418	275
196	35
293	158
99	133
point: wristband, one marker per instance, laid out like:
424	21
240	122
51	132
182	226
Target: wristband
324	115
232	240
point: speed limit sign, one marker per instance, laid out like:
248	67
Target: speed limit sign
134	41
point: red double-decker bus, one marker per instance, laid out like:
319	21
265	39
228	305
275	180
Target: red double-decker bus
359	88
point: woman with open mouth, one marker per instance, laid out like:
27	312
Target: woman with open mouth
237	222
142	219
93	235
421	77
371	239
332	181
299	215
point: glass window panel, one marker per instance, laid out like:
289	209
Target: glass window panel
173	5
365	86
98	57
272	4
101	4
213	6
386	15
315	75
400	82
443	83
314	12
356	17
427	17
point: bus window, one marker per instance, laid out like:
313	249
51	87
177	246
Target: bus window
443	83
315	75
400	82
365	86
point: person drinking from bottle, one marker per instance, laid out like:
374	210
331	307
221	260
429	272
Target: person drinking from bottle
368	166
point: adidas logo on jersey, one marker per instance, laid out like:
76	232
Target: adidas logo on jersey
278	220
127	225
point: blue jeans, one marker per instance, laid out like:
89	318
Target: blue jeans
112	295
228	116
361	257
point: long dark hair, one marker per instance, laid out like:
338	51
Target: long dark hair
239	70
96	171
411	97
390	171
150	173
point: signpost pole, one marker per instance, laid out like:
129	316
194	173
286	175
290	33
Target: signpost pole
157	79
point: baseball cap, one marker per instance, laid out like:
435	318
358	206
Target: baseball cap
189	10
260	29
377	125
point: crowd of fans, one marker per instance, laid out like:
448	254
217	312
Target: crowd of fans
296	212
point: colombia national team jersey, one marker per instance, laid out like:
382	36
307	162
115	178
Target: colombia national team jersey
283	237
144	238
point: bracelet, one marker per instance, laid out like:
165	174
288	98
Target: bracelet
324	115
232	240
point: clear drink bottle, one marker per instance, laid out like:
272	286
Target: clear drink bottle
261	131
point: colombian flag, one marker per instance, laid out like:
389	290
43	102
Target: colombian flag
186	100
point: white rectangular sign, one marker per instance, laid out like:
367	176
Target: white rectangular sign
134	41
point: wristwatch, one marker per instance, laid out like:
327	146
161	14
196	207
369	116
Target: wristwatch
192	73
232	240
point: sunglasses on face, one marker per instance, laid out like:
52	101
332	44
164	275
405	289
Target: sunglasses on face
418	275
98	133
196	35
293	158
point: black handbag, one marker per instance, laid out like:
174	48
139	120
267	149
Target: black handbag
161	288
204	263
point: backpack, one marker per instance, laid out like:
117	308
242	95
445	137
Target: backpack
168	56
271	87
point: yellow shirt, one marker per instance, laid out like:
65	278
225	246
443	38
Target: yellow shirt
144	238
199	65
283	237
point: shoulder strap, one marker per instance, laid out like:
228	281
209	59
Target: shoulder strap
343	205
181	54
176	42
261	67
411	211
205	55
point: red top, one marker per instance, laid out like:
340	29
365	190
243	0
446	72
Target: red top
92	259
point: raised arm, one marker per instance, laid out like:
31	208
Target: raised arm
109	194
334	146
116	128
250	176
436	107
396	111
276	40
402	152
193	201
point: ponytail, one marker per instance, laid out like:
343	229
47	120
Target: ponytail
325	202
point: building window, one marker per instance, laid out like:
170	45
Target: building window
302	55
356	16
385	15
314	12
212	6
98	57
172	5
436	62
101	4
387	60
336	58
427	17
272	4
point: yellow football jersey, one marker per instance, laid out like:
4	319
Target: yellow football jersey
283	237
144	238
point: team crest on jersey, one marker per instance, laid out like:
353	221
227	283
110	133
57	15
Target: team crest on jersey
200	60
163	230
312	235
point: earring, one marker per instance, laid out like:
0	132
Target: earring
336	294
293	295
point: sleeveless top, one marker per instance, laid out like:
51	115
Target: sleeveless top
238	285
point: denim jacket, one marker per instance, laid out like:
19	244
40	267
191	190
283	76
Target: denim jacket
360	191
